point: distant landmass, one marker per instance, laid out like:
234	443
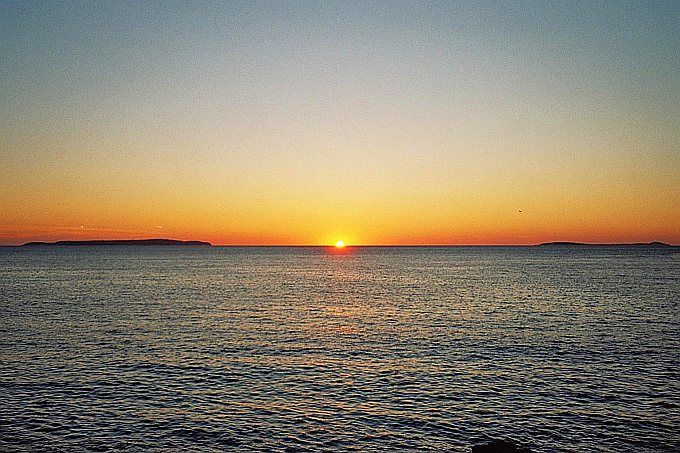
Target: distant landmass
585	244
144	242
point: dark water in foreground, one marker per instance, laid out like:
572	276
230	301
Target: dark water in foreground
375	349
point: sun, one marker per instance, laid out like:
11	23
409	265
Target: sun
340	244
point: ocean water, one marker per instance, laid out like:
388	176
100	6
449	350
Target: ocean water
305	349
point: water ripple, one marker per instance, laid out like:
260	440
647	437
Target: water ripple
379	349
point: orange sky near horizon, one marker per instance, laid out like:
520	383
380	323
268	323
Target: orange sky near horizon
377	123
473	219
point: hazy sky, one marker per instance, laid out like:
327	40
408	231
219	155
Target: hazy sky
373	122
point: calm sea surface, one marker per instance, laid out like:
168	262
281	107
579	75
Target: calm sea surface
373	349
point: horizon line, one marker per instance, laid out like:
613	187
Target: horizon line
558	242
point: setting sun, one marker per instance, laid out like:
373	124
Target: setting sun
340	244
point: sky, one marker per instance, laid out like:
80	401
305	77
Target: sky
377	122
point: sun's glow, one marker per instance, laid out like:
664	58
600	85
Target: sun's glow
340	244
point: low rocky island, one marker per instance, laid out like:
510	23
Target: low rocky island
585	244
135	242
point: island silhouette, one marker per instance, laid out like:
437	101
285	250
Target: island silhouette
124	242
586	244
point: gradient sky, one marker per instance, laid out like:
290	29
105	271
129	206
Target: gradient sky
307	122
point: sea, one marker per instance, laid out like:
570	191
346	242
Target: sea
178	348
